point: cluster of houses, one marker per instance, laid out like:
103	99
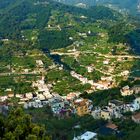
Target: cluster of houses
104	83
42	93
61	106
126	90
72	103
115	109
81	78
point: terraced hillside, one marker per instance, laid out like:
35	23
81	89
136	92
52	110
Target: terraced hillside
84	37
49	49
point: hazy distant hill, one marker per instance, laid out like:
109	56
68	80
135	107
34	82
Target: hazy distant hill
133	6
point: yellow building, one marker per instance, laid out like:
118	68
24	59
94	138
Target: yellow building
82	106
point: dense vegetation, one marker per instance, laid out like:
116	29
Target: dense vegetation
25	15
19	126
65	128
123	32
53	39
22	16
134	40
135	135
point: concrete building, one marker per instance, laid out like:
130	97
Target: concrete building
105	114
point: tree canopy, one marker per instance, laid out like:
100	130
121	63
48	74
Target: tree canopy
19	126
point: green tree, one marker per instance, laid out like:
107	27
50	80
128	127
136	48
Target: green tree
31	137
135	135
18	126
9	136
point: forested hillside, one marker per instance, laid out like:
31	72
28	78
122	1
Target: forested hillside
18	17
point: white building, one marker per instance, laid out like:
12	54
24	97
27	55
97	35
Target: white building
3	98
125	73
106	62
87	136
39	63
126	91
89	69
34	104
136	104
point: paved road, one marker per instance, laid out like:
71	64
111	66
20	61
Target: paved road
99	54
8	74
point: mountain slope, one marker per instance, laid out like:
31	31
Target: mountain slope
128	5
32	14
32	20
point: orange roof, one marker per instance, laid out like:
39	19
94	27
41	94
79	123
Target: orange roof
111	125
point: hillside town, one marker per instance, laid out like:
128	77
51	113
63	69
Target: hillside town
69	72
73	103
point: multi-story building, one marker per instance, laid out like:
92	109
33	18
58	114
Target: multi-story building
82	106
